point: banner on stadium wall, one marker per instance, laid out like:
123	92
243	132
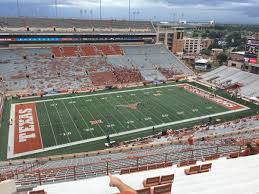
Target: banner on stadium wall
252	60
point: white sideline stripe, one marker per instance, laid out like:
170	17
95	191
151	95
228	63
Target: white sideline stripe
100	94
10	147
122	133
38	126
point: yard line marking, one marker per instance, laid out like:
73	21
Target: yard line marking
50	124
94	118
72	119
154	100
108	112
180	106
128	102
83	119
151	112
99	112
62	123
113	106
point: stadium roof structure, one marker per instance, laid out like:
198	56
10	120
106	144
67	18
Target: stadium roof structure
43	24
239	176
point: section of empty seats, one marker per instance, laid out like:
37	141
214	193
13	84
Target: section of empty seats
89	51
198	169
159	180
186	163
109	49
213	157
70	51
103	78
146	167
56	51
117	50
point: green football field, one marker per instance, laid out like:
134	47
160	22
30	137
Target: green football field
66	120
81	122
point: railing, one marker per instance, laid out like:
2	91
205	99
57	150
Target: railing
70	173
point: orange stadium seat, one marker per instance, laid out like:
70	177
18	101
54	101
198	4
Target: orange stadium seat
163	189
38	192
192	170
166	179
149	182
205	168
233	155
144	191
213	157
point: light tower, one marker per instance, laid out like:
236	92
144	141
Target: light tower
129	9
56	8
18	8
100	9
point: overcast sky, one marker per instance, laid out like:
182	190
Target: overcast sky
223	11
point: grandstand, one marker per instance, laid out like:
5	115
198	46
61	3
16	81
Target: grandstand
226	77
68	71
9	24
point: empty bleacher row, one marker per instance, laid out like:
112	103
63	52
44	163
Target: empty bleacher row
33	70
91	166
51	175
88	50
225	77
47	25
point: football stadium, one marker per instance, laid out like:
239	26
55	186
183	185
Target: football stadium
82	99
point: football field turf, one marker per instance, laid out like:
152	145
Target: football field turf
79	119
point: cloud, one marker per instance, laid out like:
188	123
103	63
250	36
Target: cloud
233	11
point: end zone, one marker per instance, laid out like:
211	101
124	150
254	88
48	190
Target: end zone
24	131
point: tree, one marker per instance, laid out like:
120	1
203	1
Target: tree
195	34
222	58
206	52
204	35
